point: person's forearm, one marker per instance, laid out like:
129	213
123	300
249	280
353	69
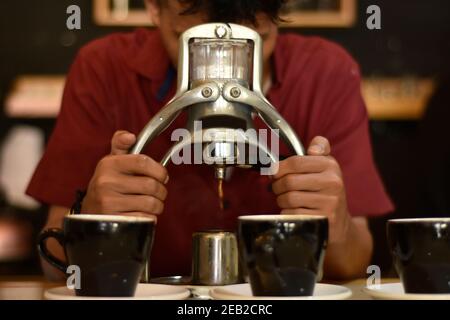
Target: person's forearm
349	259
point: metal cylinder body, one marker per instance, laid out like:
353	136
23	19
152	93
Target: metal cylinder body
215	258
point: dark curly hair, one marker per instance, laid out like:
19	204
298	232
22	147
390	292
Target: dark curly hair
234	10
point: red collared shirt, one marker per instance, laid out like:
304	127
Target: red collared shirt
121	81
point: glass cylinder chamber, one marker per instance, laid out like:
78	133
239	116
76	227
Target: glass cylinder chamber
220	60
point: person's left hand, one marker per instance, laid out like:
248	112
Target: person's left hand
313	185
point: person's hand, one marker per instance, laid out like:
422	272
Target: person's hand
125	183
313	185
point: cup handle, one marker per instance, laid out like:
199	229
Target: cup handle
45	253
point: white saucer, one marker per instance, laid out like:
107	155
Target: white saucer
395	291
143	292
21	290
244	292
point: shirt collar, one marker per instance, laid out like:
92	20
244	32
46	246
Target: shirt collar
147	55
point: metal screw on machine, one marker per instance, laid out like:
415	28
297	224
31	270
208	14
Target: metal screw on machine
235	92
221	32
207	92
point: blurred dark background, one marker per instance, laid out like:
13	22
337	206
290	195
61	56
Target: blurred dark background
412	155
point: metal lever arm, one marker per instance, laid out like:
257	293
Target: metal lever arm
266	111
207	92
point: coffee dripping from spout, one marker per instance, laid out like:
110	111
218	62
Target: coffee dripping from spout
219	87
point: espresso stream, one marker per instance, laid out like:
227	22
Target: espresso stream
220	192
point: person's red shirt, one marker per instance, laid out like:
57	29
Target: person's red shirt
121	81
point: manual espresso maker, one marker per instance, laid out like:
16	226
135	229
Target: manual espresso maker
220	72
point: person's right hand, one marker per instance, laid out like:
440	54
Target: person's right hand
126	184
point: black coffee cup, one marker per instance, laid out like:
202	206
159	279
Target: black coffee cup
421	254
283	254
110	251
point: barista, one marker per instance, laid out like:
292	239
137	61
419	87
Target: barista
117	83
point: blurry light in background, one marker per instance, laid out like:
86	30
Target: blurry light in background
68	38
